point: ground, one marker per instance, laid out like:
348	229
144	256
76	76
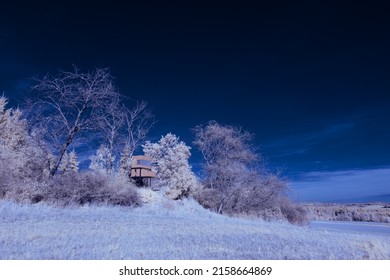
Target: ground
168	230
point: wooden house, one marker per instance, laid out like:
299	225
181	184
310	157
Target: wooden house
141	170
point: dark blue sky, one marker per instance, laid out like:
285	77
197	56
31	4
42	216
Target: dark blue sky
310	80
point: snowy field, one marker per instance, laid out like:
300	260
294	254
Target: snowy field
380	229
169	231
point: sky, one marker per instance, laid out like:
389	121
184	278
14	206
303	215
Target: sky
310	80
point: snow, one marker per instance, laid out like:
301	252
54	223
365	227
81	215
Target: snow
168	230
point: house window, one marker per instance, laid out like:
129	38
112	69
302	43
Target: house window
143	162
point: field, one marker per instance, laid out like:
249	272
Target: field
168	230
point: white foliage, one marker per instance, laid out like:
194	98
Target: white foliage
149	196
102	161
13	129
19	153
125	162
234	176
69	162
170	155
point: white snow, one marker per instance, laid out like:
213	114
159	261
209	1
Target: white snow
168	230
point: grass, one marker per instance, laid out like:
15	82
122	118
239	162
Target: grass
167	230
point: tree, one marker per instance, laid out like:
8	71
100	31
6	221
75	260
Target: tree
138	122
123	130
226	150
125	162
170	156
69	104
21	158
233	176
13	128
69	162
110	123
102	160
13	135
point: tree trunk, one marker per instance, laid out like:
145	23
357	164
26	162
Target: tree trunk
69	140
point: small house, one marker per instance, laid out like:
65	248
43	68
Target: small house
141	170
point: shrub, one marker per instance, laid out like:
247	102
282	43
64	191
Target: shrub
208	198
71	188
254	200
90	188
295	214
253	195
149	196
18	175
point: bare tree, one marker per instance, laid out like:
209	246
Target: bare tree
234	177
123	130
226	150
69	104
138	122
110	124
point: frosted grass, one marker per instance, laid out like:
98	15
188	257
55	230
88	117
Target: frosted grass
167	230
371	228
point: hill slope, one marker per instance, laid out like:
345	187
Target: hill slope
167	231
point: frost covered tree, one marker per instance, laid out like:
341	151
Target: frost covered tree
72	107
110	124
125	162
102	160
123	131
21	159
138	122
13	134
234	178
227	151
69	105
13	128
69	162
170	157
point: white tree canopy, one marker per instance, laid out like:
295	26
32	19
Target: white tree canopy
69	162
13	128
170	156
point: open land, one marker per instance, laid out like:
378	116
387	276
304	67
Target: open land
169	230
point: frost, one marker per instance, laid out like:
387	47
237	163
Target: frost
102	161
69	162
168	230
170	157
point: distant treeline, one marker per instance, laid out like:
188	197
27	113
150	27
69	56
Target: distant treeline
362	212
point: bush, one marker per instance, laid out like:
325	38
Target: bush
72	188
257	200
90	188
18	176
208	198
149	196
295	214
